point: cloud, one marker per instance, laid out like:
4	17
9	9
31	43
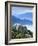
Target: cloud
20	10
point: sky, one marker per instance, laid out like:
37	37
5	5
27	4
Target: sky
21	12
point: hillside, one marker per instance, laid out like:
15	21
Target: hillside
22	32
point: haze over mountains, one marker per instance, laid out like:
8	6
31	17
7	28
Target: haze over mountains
24	19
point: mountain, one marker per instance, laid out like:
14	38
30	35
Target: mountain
28	15
17	20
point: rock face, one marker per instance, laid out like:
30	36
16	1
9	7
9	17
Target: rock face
21	32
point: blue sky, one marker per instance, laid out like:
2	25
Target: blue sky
19	11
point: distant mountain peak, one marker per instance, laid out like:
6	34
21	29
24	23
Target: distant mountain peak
17	20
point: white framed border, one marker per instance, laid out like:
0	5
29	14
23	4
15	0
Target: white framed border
34	23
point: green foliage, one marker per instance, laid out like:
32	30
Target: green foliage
22	32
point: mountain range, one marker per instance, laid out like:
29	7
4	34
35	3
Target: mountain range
25	15
23	22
